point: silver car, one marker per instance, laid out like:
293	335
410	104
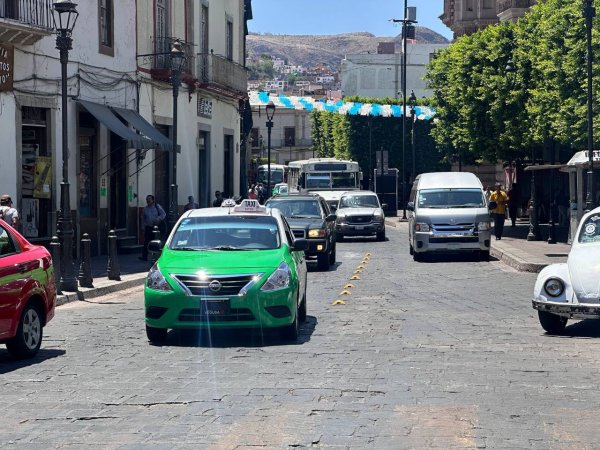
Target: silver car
359	213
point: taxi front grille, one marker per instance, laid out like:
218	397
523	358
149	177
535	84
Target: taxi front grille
234	315
359	219
215	286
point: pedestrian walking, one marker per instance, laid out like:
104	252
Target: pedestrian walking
260	193
152	215
513	203
191	204
499	212
488	193
9	214
218	199
252	193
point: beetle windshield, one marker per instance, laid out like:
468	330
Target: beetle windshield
590	230
451	198
226	233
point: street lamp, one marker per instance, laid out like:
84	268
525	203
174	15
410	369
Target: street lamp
64	16
290	144
412	101
588	13
177	62
270	113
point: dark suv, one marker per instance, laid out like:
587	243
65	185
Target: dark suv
309	217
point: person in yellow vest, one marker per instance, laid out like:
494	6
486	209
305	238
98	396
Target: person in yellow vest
499	212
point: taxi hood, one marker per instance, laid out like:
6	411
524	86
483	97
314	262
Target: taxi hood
584	267
220	260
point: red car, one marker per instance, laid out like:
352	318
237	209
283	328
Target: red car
27	292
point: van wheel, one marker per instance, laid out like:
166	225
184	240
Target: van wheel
411	250
552	323
28	339
381	235
418	257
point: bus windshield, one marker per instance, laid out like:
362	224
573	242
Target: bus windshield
276	175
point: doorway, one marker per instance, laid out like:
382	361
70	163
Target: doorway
117	217
228	166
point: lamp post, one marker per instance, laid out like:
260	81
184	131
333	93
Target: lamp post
177	62
64	16
290	144
270	113
589	12
412	101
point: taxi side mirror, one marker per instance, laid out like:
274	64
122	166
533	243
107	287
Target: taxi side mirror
410	206
300	245
330	218
155	246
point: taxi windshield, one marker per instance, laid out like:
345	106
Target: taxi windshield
226	233
451	198
590	230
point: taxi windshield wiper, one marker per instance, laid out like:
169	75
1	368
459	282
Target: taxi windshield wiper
304	216
188	249
226	248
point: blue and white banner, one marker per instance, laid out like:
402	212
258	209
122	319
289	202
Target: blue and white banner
259	98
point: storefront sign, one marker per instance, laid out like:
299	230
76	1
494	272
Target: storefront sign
6	68
204	107
103	190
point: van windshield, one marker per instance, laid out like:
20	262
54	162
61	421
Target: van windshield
451	198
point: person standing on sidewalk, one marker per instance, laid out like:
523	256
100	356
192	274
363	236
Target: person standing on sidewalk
499	212
513	204
8	213
152	215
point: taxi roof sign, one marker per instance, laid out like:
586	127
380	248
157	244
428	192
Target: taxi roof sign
250	205
228	203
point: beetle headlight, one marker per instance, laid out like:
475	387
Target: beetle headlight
156	280
316	233
484	226
280	279
421	226
554	287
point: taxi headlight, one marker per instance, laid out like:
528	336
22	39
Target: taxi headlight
421	226
554	287
155	280
484	226
316	233
280	279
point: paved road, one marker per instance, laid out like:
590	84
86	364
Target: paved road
443	354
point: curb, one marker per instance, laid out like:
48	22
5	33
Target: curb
516	262
103	287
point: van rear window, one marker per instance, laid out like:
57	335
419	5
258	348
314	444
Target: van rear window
451	198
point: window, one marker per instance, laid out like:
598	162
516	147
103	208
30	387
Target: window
229	39
105	27
290	136
162	43
204	29
488	4
468	5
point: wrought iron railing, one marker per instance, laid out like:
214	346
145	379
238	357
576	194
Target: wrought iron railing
162	57
222	71
37	13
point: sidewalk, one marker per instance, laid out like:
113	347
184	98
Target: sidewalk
133	273
516	251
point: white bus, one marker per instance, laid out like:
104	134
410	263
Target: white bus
278	174
329	177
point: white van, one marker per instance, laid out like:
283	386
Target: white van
448	211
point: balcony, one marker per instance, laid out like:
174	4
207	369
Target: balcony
161	61
513	9
24	22
219	74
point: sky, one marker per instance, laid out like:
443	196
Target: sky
315	17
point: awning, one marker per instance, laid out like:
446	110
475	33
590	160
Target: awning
144	127
106	116
544	167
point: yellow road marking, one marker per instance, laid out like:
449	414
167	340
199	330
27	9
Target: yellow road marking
339	302
349	286
345	293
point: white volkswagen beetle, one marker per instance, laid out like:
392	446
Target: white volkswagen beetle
572	290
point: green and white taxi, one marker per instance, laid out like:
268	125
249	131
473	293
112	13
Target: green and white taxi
237	266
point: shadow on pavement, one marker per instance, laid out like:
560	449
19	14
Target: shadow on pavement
8	364
453	257
248	338
581	329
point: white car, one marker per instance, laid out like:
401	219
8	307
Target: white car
359	213
572	290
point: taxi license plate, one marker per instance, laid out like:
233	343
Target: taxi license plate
213	308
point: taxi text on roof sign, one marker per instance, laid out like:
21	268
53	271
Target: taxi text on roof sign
250	205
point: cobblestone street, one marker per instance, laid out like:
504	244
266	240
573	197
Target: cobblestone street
441	354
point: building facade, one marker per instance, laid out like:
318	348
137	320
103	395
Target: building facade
120	120
380	75
468	16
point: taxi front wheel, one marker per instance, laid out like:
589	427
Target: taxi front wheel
156	335
290	332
